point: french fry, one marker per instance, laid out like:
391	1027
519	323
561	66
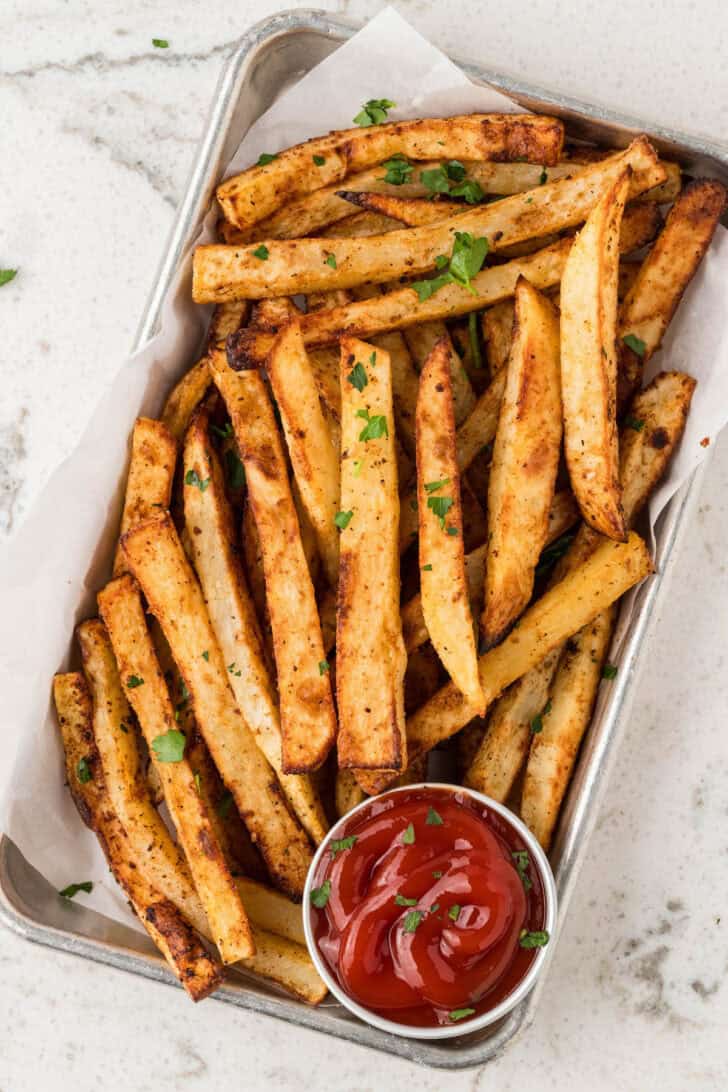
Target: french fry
555	746
422	340
155	556
271	910
253	555
611	570
349	792
663	277
150	476
308	437
259	191
525	461
445	602
123	614
360	226
226	319
199	972
308	723
401	308
306	265
370	657
215	558
184	399
273	314
589	363
287	964
497	325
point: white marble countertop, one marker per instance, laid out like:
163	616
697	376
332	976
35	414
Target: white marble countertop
98	133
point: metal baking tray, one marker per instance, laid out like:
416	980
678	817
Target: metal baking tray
272	55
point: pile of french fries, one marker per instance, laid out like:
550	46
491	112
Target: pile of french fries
389	510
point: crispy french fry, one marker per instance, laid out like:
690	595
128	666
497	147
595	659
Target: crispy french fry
555	746
589	363
259	191
271	910
313	456
370	657
445	602
612	569
525	461
308	723
123	614
349	792
563	515
422	340
155	556
306	265
197	971
253	555
150	476
226	319
663	277
215	558
497	323
360	226
287	964
400	308
185	398
274	313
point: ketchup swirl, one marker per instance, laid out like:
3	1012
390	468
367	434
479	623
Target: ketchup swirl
425	907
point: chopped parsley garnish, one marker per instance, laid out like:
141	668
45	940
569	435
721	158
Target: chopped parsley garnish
320	895
636	344
437	875
206	655
427	568
433	819
412	920
543	177
460	1014
398	170
401	900
536	939
319	160
552	553
323	667
449	178
375	426
433	487
358	466
474	340
83	771
74	888
234	670
408	838
373	360
374	112
261	252
224	804
198	783
160	43
609	671
338	845
452	531
537	721
522	861
265	158
170	746
7	275
454	912
235	469
133	681
224	431
440	506
193	478
331	260
357	377
434	908
634	423
343	519
466	261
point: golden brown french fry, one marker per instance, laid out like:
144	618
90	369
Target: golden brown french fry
226	319
349	792
150	476
215	557
422	340
497	325
360	226
313	456
256	582
525	461
155	556
306	265
123	614
197	971
184	399
445	602
565	719
274	313
412	211
271	910
663	277
259	191
287	964
308	723
401	307
370	656
589	363
611	570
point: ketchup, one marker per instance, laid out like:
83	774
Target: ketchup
423	906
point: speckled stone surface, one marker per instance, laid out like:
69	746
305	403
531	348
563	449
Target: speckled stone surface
98	133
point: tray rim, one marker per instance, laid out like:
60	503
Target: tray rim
198	192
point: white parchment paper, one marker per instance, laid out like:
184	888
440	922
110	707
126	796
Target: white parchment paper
61	555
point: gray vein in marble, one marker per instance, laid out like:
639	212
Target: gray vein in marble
12	454
99	62
160	183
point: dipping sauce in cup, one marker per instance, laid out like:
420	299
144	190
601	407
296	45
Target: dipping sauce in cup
428	908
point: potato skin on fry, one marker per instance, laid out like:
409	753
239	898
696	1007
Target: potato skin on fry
150	477
589	364
370	657
444	588
525	461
